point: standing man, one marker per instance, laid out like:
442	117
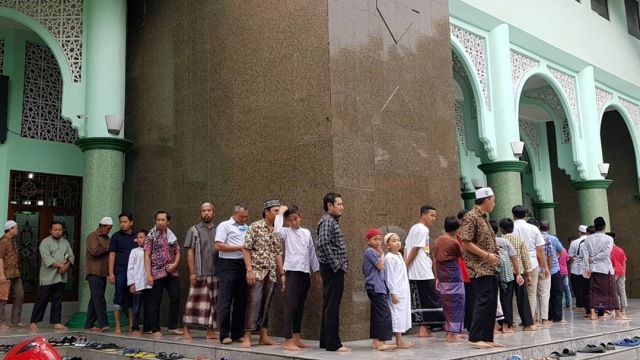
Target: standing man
57	257
233	283
97	265
556	290
479	250
122	242
10	275
262	253
534	242
200	308
161	259
598	268
579	283
426	310
619	262
331	250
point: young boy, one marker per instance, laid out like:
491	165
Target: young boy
300	256
137	281
381	327
397	279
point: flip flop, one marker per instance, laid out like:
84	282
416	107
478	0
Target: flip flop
175	356
627	342
592	349
608	346
567	352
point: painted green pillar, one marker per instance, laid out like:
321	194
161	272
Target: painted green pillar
469	199
504	178
592	200
546	211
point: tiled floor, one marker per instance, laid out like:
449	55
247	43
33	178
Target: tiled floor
578	332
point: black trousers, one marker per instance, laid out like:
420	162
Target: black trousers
332	287
555	297
485	289
576	286
97	307
234	293
295	295
506	300
54	293
172	284
469	303
522	300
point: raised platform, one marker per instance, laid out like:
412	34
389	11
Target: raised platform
578	332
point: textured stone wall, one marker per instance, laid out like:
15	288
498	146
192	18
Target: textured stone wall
242	101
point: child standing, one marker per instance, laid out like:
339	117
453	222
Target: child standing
381	327
446	252
395	272
137	281
299	257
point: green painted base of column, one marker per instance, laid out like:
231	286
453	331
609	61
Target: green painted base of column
469	199
592	200
78	319
546	211
504	179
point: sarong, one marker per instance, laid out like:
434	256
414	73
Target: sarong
201	304
425	305
602	292
380	324
451	289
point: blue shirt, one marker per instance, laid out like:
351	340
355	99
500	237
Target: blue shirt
122	244
374	279
556	247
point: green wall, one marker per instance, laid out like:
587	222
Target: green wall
19	153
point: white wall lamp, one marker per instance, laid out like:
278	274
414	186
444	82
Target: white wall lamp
517	147
604	169
114	123
477	183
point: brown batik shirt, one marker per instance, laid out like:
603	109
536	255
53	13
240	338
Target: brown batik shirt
264	244
477	230
10	257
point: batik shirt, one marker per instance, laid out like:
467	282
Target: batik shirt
264	244
477	230
162	253
10	257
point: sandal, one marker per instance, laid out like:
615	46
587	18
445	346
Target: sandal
627	342
592	349
608	346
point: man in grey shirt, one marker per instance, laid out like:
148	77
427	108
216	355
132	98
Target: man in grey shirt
200	308
598	268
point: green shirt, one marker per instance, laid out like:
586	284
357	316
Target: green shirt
52	250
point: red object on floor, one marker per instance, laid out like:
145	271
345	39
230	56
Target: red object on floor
33	349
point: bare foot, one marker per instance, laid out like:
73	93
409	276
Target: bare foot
60	327
135	333
506	330
300	344
453	338
117	331
33	327
227	341
530	328
594	318
425	333
4	327
186	335
561	322
95	328
479	345
386	347
210	334
267	341
494	344
405	345
246	343
622	318
176	331
104	329
289	345
344	349
547	322
157	334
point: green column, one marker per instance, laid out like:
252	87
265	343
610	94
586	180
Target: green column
546	211
469	199
504	178
592	200
101	196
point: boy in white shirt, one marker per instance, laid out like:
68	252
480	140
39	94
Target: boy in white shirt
137	281
300	257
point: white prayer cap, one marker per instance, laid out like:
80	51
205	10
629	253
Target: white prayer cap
582	228
9	224
484	192
106	221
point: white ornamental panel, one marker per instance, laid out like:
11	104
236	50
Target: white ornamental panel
602	96
549	96
568	85
475	48
520	64
634	114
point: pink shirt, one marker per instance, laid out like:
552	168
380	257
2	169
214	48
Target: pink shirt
562	261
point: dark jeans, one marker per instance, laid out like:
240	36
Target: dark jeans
506	300
142	301
484	312
555	297
332	287
54	293
122	300
172	284
295	295
97	307
234	293
469	303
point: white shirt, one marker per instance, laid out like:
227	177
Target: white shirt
598	246
136	273
420	268
231	233
575	252
532	239
299	252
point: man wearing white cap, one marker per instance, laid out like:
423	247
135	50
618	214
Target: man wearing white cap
97	265
479	250
579	283
10	274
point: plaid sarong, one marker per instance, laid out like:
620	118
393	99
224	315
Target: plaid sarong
200	308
